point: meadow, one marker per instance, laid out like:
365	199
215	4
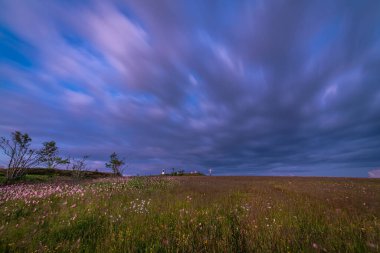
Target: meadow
192	214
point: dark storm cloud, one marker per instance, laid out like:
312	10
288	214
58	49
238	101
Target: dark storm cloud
243	87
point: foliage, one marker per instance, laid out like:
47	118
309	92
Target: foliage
77	166
21	155
116	164
50	155
53	175
178	172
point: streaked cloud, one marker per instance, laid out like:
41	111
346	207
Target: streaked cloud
243	87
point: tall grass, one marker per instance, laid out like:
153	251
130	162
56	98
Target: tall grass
202	214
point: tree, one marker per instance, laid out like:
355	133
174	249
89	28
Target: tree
77	166
49	155
21	155
115	164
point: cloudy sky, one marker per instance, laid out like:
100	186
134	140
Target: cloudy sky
242	87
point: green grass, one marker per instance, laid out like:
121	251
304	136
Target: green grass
38	175
199	214
29	178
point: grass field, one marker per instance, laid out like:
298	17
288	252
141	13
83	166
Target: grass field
192	214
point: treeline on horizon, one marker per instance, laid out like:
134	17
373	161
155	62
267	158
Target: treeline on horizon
22	157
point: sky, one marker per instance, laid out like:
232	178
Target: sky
266	87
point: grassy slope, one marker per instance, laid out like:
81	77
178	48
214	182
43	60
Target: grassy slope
45	175
200	214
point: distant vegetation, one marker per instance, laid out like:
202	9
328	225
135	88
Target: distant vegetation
22	158
36	175
116	164
173	172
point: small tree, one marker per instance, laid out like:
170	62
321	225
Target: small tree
21	155
116	164
77	166
50	155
